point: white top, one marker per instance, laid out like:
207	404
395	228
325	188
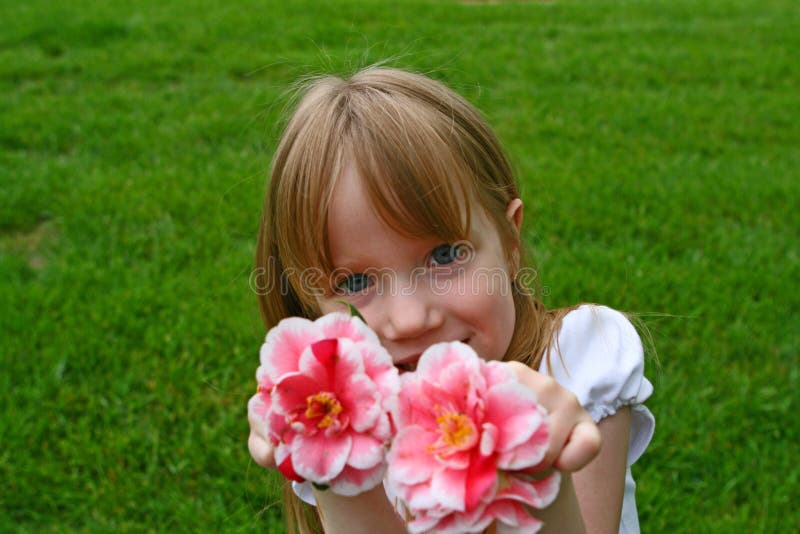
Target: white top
602	363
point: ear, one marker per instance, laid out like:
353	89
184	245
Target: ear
514	216
514	213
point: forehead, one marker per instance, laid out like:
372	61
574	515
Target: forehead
357	231
359	235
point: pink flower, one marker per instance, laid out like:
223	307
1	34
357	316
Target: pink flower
325	390
465	428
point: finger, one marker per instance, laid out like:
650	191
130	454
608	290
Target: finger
581	447
549	393
559	431
257	425
574	438
261	450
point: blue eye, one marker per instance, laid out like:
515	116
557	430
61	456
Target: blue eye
446	254
354	283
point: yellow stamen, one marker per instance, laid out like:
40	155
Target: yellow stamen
456	428
323	406
456	432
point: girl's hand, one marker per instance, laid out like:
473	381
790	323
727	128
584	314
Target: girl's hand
261	448
574	437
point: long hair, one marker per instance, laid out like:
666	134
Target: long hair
424	153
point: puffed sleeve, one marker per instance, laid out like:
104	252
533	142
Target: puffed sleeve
602	362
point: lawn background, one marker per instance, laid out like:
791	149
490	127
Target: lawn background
658	148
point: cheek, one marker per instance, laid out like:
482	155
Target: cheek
336	305
487	305
503	318
329	306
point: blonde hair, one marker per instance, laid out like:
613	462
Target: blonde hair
422	151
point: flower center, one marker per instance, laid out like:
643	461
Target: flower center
323	406
457	432
456	428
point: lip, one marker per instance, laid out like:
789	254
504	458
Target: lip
409	363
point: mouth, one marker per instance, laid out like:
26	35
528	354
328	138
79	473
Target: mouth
409	364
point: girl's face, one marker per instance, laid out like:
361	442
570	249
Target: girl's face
414	292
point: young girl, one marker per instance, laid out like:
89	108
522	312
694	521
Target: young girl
389	190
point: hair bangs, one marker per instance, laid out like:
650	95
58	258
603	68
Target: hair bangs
410	166
303	179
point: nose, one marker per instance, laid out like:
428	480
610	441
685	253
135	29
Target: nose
409	316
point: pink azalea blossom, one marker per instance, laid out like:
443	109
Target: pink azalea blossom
325	391
465	429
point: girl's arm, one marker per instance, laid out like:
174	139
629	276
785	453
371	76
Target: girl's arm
371	512
366	513
564	515
600	486
599	478
574	441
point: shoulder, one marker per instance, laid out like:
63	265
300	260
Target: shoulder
598	355
597	333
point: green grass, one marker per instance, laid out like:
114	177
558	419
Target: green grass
657	142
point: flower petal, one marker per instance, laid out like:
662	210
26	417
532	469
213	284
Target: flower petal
318	361
350	360
421	497
329	361
455	460
528	454
320	458
378	366
481	480
450	487
417	402
262	378
284	345
437	357
514	519
536	493
488	442
366	452
290	393
382	431
513	409
279	429
354	481
287	470
326	352
361	401
423	523
283	460
459	379
408	462
458	523
496	372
